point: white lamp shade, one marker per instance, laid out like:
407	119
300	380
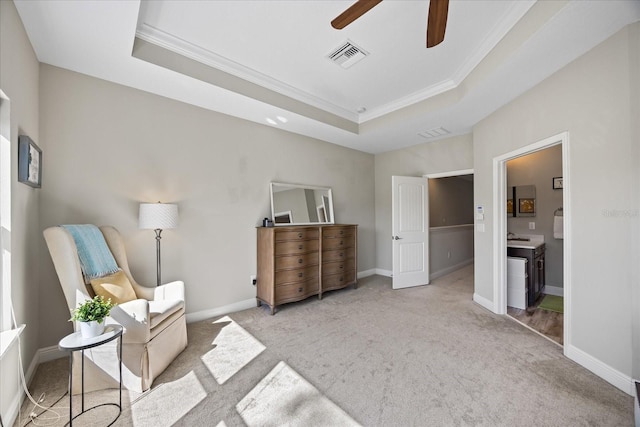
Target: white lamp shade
158	215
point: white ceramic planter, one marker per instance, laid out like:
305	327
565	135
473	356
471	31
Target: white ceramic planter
91	329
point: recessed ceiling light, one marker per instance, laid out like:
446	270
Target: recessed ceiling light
271	121
282	119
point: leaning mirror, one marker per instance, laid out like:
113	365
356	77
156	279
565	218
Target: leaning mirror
300	204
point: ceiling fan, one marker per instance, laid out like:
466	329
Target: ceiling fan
436	22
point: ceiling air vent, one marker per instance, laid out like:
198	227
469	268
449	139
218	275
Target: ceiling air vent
434	133
347	54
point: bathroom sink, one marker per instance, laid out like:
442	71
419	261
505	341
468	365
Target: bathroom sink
519	239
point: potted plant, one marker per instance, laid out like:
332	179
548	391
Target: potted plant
91	314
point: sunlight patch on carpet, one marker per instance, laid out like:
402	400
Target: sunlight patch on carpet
164	399
233	349
285	398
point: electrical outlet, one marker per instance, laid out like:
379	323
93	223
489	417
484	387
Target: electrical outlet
532	226
253	280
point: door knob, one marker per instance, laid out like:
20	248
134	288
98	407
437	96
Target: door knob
396	238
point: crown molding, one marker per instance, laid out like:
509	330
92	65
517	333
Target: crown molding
182	47
511	17
508	21
410	99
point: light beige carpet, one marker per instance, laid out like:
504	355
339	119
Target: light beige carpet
284	398
424	356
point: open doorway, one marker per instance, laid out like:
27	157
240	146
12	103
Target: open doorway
535	241
501	224
450	221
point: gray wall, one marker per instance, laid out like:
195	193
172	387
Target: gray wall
110	147
451	201
446	155
450	248
592	98
538	169
19	73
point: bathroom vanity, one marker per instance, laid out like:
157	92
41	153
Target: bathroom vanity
532	249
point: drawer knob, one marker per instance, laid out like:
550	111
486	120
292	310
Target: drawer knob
341	255
300	261
300	274
300	235
300	247
341	242
341	266
341	232
299	289
341	279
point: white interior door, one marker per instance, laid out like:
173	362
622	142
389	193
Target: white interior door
410	231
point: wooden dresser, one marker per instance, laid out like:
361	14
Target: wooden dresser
296	262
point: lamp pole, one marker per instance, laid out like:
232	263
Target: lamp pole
158	273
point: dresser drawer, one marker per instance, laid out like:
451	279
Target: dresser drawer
297	275
296	261
295	248
338	243
338	254
336	281
301	234
334	232
337	267
297	291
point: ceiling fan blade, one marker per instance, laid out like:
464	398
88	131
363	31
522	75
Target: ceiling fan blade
437	21
356	10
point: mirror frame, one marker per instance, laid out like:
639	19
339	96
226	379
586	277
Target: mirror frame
306	187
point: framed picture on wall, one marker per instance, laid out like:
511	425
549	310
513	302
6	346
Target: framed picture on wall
557	183
29	162
509	206
527	205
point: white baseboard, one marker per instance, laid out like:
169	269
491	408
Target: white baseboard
450	269
601	369
554	290
19	396
245	304
48	354
484	302
636	403
382	272
366	273
220	311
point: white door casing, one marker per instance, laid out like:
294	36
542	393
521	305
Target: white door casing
410	231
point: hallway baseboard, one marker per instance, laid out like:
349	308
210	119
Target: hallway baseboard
554	290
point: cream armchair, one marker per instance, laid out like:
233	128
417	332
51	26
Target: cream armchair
155	330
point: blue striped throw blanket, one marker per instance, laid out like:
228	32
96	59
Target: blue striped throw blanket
96	259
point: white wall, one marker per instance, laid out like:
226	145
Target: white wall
111	147
19	80
591	99
446	155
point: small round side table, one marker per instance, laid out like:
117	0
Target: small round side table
75	342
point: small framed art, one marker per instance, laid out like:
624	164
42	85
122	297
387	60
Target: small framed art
29	162
557	183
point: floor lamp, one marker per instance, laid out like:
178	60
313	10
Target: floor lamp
158	217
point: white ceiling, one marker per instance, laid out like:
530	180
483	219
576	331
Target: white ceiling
266	59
